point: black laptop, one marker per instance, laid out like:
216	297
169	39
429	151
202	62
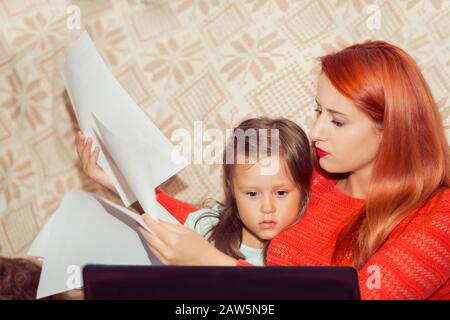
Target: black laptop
107	282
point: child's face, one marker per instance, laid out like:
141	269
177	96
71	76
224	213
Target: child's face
267	204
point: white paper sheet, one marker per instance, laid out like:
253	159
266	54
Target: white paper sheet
39	245
88	229
137	170
93	89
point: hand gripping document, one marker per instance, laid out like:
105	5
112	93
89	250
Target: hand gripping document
87	229
130	141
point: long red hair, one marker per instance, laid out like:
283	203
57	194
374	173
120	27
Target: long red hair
412	163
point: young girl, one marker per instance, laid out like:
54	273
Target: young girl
267	173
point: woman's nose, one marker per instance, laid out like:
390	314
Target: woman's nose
317	132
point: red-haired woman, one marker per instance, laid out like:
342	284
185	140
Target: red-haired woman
380	197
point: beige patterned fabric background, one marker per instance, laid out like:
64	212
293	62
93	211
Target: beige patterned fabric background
182	61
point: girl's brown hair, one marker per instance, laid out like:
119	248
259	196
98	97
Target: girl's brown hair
292	146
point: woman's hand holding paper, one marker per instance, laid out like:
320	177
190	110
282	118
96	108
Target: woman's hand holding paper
178	245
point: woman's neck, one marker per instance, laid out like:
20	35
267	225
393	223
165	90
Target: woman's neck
356	185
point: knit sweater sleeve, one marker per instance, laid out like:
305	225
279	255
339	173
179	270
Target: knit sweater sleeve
413	264
243	263
179	209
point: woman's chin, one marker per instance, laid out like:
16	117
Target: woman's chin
328	166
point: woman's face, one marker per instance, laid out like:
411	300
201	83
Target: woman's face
348	137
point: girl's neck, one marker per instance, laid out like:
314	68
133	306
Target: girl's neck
251	240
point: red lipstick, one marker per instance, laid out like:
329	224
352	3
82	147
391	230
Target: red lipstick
321	153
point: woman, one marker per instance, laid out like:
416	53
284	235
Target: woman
380	197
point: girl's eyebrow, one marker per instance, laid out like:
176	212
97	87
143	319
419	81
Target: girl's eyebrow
285	185
243	186
330	110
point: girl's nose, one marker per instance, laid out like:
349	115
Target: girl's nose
267	205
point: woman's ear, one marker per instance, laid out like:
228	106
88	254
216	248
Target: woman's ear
380	126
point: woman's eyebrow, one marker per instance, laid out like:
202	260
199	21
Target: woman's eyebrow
330	110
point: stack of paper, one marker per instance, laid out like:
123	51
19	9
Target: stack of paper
87	229
135	154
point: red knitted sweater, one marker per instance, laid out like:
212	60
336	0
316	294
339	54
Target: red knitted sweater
414	263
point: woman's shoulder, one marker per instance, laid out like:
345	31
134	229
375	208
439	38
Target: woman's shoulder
439	202
433	215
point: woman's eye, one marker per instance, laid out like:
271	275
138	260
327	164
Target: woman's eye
252	194
282	193
337	123
317	110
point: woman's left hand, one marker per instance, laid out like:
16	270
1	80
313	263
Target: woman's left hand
178	245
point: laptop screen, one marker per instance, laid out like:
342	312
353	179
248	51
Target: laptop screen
219	283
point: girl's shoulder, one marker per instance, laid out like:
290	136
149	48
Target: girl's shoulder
202	220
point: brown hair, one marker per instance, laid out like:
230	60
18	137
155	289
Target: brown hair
293	147
19	279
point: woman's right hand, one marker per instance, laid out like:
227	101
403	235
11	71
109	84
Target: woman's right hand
176	244
89	161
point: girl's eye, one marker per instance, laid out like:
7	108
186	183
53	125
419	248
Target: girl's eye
282	193
252	194
337	123
317	110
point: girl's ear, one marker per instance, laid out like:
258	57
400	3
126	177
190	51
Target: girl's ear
230	187
229	182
